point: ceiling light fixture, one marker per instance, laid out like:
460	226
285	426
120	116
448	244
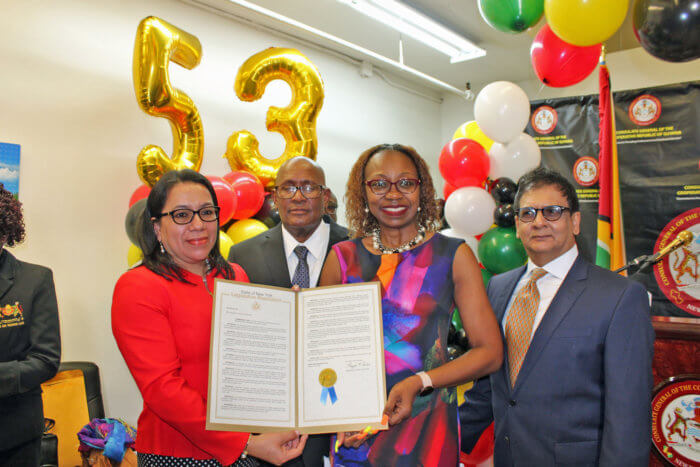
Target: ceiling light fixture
343	43
418	26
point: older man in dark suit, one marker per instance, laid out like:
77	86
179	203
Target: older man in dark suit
293	252
575	387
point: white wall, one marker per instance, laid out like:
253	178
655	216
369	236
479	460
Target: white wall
66	96
629	69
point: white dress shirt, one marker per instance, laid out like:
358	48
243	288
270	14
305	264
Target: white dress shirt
317	244
548	285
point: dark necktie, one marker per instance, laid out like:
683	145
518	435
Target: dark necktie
301	274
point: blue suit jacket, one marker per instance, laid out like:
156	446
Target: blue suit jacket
583	393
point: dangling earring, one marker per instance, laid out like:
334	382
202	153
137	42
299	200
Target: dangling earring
418	208
162	249
366	210
207	263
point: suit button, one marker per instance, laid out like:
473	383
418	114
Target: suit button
511	403
506	439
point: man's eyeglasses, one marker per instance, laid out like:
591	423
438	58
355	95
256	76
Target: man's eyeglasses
308	190
184	216
551	213
382	186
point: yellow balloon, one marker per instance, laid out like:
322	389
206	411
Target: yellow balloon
225	244
471	130
245	229
585	22
296	122
157	44
134	255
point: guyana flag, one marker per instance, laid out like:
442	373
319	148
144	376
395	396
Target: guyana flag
610	248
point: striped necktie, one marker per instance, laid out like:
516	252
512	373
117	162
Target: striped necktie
521	317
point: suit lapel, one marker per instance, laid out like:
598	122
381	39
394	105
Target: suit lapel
571	288
7	272
336	234
276	263
499	302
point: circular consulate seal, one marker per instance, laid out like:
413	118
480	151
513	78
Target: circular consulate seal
544	119
675	420
678	274
586	171
645	110
327	377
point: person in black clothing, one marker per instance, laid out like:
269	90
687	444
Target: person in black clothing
30	342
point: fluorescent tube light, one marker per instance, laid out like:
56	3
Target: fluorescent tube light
350	45
412	23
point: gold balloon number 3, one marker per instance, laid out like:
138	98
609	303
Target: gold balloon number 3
296	122
157	44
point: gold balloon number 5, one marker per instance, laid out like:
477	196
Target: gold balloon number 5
157	44
296	122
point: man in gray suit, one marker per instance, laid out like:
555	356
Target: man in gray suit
575	387
293	252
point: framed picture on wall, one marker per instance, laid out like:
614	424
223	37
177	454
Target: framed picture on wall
9	167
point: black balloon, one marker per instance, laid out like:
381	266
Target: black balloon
453	352
134	221
503	190
451	335
504	215
668	29
268	213
462	341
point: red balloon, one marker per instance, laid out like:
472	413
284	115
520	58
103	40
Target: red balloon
559	64
464	162
139	194
448	189
225	196
481	452
249	192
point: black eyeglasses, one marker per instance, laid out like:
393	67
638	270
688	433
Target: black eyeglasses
184	216
308	190
382	186
551	213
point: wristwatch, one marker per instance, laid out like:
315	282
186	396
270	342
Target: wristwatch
427	384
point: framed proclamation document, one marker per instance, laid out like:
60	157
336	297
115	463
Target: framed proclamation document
311	360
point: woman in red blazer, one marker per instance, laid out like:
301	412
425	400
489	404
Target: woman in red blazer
161	320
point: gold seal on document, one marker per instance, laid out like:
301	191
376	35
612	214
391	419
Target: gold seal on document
327	378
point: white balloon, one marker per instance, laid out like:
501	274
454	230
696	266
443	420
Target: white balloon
514	159
469	210
502	110
470	240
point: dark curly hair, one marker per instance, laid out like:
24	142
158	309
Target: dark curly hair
362	223
11	218
162	263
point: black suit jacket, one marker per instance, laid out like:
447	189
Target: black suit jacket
583	392
30	347
262	257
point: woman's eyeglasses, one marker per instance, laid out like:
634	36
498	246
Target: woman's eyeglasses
551	213
184	216
308	190
381	186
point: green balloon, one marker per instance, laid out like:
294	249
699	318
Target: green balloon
486	276
511	15
500	250
457	320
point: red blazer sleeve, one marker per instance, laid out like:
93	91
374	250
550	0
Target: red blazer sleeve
241	276
142	330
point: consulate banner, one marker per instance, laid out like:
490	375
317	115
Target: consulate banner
658	137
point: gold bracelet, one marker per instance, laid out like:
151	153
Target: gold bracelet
244	454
